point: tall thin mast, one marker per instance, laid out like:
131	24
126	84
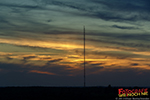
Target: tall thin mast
84	54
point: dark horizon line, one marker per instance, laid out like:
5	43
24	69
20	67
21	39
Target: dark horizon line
78	86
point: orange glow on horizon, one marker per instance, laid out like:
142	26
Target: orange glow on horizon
41	72
73	56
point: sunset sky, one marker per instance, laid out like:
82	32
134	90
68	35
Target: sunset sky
41	42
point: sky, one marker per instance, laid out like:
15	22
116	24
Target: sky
41	42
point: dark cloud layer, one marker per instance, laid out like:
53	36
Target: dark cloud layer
123	27
129	77
29	57
115	10
55	60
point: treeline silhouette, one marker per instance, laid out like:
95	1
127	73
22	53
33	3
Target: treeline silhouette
54	93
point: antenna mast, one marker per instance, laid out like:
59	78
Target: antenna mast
84	53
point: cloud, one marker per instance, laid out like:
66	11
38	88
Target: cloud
124	27
134	64
120	5
20	6
45	58
41	72
49	12
55	60
132	41
3	20
105	68
29	57
121	11
93	8
121	54
5	53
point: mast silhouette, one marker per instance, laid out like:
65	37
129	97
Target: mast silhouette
84	53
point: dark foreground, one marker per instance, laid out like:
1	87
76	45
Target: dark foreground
58	93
